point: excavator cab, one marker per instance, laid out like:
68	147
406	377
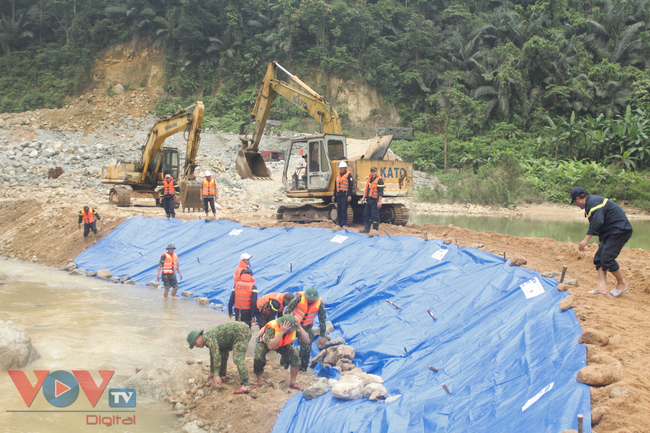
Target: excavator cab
314	174
170	162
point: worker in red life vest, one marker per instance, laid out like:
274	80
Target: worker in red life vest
271	306
372	196
169	266
169	193
89	216
209	193
244	299
244	263
343	194
279	335
304	307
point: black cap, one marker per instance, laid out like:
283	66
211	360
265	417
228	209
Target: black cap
576	192
86	208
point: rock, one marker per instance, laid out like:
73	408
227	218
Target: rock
372	388
550	274
319	388
16	350
566	303
332	382
104	274
203	301
598	374
597	414
336	342
329	327
369	378
124	279
348	388
153	284
571	282
447	241
78	271
47	153
118	89
187	294
91	274
562	287
179	406
477	246
131	282
582	316
593	336
518	260
162	378
192	427
618	391
114	279
70	266
393	398
377	396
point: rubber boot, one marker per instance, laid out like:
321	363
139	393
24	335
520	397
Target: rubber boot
375	226
366	229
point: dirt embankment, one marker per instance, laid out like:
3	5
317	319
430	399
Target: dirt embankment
44	229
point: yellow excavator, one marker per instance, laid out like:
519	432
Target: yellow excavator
156	161
316	179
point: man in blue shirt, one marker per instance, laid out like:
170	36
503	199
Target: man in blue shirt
607	221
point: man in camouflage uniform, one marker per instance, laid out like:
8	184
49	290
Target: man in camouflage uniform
310	296
279	335
221	340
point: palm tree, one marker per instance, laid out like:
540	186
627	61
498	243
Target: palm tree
11	32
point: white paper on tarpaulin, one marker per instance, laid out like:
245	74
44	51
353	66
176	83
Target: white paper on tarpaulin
532	288
530	402
438	255
339	239
235	232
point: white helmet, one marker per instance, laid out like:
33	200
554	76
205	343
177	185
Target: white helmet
207	173
342	164
245	256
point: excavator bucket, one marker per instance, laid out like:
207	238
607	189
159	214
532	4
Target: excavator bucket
251	165
191	195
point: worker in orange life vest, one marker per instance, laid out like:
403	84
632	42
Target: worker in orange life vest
343	194
169	266
372	196
209	193
279	335
304	307
271	306
89	216
244	299
244	263
169	193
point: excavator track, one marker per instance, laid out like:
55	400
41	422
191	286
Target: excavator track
121	197
394	213
334	214
305	214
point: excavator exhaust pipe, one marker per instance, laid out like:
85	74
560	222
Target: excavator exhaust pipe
251	165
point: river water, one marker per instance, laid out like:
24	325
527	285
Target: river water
79	323
565	230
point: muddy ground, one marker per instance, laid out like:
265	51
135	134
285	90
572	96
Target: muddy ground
42	227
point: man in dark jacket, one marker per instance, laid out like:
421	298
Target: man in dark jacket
607	221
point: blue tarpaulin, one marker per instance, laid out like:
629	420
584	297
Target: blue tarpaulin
506	352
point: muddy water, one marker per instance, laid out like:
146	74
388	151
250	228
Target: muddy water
79	323
568	229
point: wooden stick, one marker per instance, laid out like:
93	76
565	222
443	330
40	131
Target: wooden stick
357	289
446	389
431	314
337	279
285	226
433	368
504	257
564	268
580	419
406	351
426	236
386	233
396	306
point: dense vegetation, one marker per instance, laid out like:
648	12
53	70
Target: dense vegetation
553	93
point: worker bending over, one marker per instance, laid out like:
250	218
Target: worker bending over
271	306
304	308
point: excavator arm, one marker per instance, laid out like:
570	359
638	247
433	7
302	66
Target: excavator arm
149	165
249	161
